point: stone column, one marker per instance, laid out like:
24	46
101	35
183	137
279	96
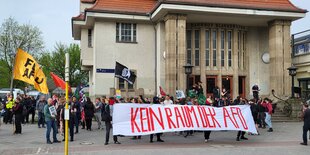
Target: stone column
170	62
235	62
203	60
181	50
218	58
287	57
280	58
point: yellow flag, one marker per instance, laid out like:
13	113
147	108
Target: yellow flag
28	70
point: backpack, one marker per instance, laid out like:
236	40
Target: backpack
25	111
105	115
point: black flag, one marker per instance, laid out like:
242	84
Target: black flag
123	72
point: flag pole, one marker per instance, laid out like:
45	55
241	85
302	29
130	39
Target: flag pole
66	107
12	78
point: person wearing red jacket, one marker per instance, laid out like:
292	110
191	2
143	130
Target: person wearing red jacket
268	112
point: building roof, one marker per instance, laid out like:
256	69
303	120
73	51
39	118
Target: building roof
276	5
147	6
88	1
124	6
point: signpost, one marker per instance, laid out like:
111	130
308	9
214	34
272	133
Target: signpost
67	100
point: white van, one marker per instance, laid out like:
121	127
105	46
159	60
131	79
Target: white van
36	94
5	91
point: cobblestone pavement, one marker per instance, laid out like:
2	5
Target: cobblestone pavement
284	140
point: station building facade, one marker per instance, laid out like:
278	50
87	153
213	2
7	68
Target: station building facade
232	44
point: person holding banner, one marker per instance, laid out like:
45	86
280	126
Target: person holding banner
241	134
168	100
156	101
106	116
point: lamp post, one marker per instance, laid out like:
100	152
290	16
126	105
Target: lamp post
292	72
188	70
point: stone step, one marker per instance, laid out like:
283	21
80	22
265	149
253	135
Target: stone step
285	120
279	115
280	118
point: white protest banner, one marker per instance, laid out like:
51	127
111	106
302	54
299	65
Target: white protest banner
142	119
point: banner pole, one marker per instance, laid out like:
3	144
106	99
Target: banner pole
67	113
12	78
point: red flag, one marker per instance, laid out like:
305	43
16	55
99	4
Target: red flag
162	92
59	82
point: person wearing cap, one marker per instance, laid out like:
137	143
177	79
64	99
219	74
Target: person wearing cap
255	90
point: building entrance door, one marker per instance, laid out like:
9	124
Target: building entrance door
211	83
227	84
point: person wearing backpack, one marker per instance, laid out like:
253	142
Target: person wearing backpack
106	117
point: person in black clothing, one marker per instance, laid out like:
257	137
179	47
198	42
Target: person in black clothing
77	118
18	112
32	109
216	93
156	101
241	134
255	90
261	114
306	127
254	110
26	106
89	110
107	118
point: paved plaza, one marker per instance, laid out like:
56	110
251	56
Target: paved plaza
284	140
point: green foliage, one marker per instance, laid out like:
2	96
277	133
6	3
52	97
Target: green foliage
5	75
55	62
12	36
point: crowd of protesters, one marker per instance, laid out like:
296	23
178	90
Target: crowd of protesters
82	111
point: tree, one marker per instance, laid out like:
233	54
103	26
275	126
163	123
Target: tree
55	62
13	36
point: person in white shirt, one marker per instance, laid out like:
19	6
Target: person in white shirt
167	100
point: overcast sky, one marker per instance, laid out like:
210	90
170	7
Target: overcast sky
53	17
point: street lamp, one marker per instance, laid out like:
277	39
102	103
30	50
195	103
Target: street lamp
292	72
188	70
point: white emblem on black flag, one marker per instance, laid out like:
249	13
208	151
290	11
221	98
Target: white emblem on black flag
123	72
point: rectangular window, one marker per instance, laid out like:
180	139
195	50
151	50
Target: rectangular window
126	32
130	86
90	38
121	83
124	85
214	46
207	48
222	48
189	47
197	50
229	47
